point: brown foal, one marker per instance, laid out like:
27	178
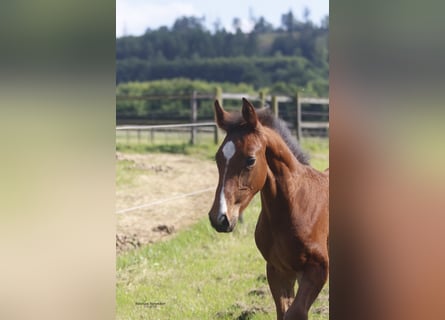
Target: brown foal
258	154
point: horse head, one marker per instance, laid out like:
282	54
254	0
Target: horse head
242	165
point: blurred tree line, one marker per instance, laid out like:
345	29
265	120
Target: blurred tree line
283	59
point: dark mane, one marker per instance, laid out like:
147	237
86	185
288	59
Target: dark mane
269	120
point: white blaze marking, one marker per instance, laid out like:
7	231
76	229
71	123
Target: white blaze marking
228	152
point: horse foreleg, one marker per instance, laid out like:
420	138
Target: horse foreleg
309	286
282	288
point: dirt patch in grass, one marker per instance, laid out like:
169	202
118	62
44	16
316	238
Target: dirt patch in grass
240	311
261	292
160	195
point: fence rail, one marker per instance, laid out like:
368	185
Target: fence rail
166	126
152	128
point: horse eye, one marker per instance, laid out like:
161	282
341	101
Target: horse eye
250	161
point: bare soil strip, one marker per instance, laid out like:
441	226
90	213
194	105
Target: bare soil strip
158	185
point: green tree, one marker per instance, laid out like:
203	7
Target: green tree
262	26
288	21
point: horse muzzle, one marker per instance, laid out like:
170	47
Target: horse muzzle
222	223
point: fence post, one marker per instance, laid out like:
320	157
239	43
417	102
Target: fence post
215	134
275	105
262	95
218	96
298	123
194	118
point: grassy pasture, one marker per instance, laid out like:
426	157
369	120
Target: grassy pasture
200	274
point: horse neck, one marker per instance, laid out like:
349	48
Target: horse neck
285	177
280	160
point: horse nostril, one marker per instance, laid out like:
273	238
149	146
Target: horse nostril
223	221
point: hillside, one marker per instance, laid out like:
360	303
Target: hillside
294	54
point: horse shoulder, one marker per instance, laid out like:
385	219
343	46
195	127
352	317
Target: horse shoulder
310	215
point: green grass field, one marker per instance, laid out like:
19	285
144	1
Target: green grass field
199	273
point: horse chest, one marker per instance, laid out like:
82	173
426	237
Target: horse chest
281	249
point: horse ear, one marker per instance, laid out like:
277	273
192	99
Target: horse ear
249	113
220	116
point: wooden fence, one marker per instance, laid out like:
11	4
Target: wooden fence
274	104
302	108
150	130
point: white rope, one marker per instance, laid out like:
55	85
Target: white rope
164	200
